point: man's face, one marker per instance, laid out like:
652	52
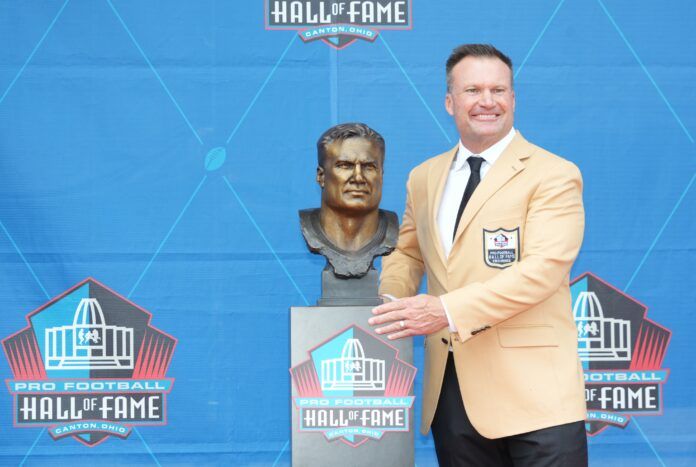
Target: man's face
481	100
351	178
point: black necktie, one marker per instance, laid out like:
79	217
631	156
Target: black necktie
474	179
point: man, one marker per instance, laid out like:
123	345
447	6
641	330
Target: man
496	224
349	229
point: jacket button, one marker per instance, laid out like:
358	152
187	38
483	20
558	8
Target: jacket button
445	341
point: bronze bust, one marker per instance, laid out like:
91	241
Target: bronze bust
349	229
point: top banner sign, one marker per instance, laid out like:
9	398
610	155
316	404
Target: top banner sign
338	22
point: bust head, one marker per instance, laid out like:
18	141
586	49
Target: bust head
350	169
349	229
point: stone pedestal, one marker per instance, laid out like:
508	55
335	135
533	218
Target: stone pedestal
352	391
355	291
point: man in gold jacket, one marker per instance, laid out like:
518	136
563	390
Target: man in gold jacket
495	223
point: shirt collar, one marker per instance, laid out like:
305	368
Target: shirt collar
490	155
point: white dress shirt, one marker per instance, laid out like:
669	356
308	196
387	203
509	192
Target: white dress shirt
453	192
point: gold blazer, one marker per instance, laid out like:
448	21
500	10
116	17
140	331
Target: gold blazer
516	347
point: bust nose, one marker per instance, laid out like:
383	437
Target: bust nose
358	173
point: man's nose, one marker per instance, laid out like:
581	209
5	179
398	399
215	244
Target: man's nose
486	99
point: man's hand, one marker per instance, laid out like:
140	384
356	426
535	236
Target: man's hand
411	316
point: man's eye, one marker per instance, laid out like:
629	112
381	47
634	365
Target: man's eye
471	91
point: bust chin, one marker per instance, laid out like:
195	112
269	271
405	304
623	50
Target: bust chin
350	264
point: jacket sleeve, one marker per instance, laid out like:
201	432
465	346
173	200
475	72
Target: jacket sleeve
551	241
403	269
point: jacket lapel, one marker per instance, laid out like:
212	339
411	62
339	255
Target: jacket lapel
507	166
437	177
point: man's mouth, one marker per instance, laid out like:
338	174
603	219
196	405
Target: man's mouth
486	117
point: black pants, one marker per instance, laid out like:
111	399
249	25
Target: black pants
458	444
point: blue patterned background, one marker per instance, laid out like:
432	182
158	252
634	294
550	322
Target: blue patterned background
108	109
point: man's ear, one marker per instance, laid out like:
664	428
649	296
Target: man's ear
449	104
320	176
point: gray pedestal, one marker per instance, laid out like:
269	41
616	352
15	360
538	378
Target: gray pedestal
355	291
348	380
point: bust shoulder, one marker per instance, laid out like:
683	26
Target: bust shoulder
350	263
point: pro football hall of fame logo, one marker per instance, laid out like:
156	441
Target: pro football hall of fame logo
353	388
89	365
338	22
621	352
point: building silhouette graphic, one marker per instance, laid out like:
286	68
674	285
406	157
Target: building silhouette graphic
352	371
89	343
600	339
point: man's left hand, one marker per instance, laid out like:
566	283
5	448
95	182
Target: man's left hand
411	316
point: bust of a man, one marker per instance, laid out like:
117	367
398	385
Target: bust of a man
349	229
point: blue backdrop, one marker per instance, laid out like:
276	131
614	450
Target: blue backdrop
109	108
